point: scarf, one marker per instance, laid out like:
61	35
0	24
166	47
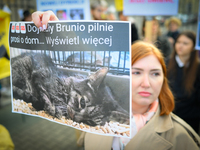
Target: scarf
137	122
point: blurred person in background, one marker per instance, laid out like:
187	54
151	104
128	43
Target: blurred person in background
101	11
97	10
27	15
110	13
172	24
184	78
161	41
134	31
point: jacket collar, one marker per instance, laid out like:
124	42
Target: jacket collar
162	123
179	62
149	136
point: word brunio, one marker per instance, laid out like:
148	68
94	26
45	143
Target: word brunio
78	27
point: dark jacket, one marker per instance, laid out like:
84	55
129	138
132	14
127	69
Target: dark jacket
186	106
174	35
134	33
164	46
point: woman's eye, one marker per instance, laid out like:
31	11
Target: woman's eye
136	73
156	74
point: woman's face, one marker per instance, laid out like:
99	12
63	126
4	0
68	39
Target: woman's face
173	26
147	80
97	12
183	46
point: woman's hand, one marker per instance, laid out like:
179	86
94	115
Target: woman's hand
41	19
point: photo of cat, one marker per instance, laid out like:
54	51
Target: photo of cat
84	99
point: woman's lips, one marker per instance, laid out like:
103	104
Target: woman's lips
145	94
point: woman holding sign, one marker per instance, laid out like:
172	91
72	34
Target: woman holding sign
153	124
184	77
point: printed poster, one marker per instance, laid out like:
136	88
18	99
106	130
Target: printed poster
73	73
66	9
150	7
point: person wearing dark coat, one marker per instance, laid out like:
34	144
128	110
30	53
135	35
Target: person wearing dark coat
184	79
172	24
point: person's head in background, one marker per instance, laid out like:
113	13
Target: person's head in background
110	13
155	29
122	17
184	48
185	45
149	79
173	24
97	10
27	16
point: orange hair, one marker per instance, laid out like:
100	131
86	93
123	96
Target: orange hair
142	49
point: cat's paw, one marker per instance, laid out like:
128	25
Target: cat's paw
119	117
50	109
58	113
98	120
70	112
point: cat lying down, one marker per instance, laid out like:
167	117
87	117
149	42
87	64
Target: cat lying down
36	80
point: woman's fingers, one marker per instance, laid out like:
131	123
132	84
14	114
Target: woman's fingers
48	16
41	19
37	18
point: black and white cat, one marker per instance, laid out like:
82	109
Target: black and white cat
36	79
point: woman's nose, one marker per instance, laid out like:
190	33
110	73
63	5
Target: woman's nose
145	82
180	44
